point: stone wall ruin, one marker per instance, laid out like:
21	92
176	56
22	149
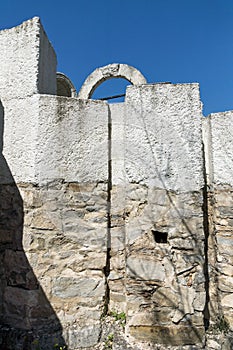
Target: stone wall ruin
111	215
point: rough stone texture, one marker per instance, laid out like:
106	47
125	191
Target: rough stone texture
28	67
220	153
114	70
28	61
221	257
165	283
64	139
72	136
24	143
117	116
25	309
64	241
115	226
218	131
162	128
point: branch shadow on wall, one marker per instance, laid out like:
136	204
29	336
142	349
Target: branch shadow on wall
27	319
210	309
196	257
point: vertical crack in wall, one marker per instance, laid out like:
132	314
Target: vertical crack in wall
206	312
109	189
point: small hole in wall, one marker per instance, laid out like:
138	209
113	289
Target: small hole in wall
160	237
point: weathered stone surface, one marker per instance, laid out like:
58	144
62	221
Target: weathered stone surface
227	300
158	121
33	59
85	337
68	287
18	271
104	73
221	139
167	277
225	283
221	271
212	344
145	269
169	335
59	260
165	296
199	301
117	222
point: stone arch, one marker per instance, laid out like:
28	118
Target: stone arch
115	70
65	86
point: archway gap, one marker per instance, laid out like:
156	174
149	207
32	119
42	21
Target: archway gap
111	88
115	70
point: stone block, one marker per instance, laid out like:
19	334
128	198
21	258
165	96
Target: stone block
225	244
227	300
157	316
145	269
226	269
84	337
164	296
18	270
168	123
170	336
117	238
27	49
225	283
199	301
221	139
41	221
67	287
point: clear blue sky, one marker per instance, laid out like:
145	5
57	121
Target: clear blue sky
167	40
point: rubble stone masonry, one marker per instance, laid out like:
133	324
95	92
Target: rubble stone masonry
116	220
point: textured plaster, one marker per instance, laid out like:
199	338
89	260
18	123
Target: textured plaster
114	70
221	150
163	129
110	210
72	140
19	147
28	61
64	139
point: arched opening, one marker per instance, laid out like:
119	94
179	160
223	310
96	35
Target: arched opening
102	74
111	90
64	86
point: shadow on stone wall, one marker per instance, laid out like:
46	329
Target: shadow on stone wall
199	314
176	312
27	320
176	305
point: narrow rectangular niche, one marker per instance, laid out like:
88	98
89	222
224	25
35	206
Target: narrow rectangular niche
160	237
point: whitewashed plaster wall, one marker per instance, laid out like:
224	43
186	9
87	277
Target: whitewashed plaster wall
149	146
163	145
49	137
19	137
218	139
28	67
28	61
72	140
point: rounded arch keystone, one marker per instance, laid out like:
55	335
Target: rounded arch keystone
115	70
